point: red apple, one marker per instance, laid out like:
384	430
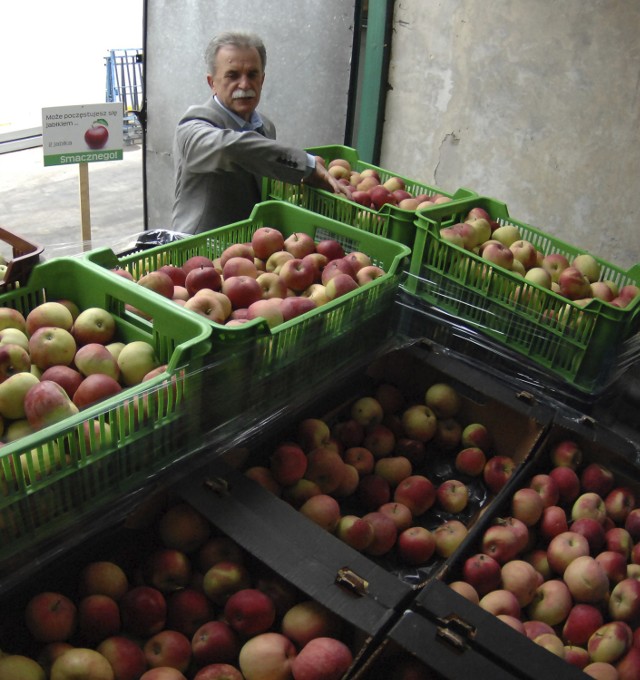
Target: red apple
497	472
322	657
483	572
215	642
168	648
250	612
187	610
51	617
143	610
125	656
415	545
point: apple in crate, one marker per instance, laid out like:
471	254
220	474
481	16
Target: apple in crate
322	657
51	617
241	290
299	244
267	656
94	324
215	642
94	388
81	662
13	359
136	359
250	612
168	648
12	318
19	666
68	378
143	610
48	314
98	618
49	346
103	577
46	403
125	656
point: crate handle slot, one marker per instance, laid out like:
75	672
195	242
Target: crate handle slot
349	579
217	485
455	631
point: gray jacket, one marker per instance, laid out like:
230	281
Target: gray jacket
219	170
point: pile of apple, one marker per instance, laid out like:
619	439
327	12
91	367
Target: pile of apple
564	567
366	188
57	360
395	466
271	276
191	603
579	280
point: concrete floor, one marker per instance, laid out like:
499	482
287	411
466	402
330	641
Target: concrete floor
42	204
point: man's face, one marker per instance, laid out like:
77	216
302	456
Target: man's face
238	79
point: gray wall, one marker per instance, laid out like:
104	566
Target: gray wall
309	46
534	102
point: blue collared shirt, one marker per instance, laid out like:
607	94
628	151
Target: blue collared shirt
254	124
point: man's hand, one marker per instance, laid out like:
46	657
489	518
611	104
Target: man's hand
321	179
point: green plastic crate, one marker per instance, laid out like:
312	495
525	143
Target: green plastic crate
138	431
390	221
579	344
261	368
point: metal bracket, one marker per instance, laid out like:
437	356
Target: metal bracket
350	580
218	485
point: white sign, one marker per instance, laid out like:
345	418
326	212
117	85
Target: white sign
82	134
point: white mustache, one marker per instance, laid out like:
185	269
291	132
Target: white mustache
243	94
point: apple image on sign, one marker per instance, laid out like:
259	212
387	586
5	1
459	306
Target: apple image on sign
97	135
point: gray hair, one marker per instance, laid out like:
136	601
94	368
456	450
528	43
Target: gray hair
236	39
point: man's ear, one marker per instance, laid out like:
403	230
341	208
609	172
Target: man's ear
210	82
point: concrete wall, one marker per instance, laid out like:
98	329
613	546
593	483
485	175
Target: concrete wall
534	102
309	46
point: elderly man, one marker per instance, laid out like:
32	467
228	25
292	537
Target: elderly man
224	147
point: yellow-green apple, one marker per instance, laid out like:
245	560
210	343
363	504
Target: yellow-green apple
50	345
624	601
215	642
209	278
13	336
207	306
417	492
323	510
135	360
610	642
182	527
552	643
159	282
224	578
52	314
96	358
497	471
349	482
415	545
95	388
553	522
51	617
340	285
275	262
587	265
500	601
325	467
234	250
565	547
241	290
81	662
20	667
385	533
619	502
539	276
310	619
547	487
46	403
551	602
443	399
470	461
360	458
589	504
98	618
483	572
448	536
482	229
498	254
262	475
16	429
103	577
249	612
168	648
597	478
143	611
288	463
568	484
394	469
399	513
167	569
501	542
312	433
163	673
175	273
419	422
566	453
267	656
13	359
573	284
94	324
12	318
316	292
354	531
525	252
506	234
299	244
115	348
452	495
125	656
322	657
272	284
601	291
555	264
369	273
268	309
527	505
367	411
587	580
476	435
466	590
601	670
453	235
68	378
583	620
366	183
266	241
